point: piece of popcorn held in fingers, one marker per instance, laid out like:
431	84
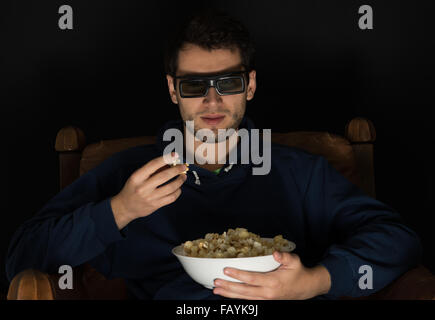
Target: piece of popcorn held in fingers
187	168
178	161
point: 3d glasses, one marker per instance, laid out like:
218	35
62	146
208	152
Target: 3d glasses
225	84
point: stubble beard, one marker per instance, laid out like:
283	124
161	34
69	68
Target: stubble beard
236	119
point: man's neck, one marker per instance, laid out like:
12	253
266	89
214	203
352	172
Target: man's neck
210	167
212	164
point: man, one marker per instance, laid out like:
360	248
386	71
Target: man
124	218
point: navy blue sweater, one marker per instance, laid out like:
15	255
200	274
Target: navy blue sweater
332	222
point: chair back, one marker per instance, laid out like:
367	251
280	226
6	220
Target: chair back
352	155
337	150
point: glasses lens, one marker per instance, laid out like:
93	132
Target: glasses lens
230	85
193	88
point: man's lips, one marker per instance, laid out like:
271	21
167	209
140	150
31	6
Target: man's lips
213	119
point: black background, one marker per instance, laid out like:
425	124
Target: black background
316	70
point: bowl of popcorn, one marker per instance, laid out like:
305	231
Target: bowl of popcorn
204	259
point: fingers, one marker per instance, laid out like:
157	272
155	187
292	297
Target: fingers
285	258
249	277
234	295
236	290
169	188
148	169
164	201
164	175
256	285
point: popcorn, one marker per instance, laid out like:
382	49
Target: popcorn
175	162
178	161
234	243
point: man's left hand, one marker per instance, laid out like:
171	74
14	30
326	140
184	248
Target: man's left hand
291	281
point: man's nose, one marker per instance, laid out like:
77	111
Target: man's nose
212	96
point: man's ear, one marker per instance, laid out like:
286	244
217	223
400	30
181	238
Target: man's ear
252	86
172	92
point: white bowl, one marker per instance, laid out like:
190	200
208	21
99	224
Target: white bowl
206	270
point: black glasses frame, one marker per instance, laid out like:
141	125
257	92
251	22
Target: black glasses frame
212	81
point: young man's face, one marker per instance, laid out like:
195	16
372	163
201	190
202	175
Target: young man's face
230	108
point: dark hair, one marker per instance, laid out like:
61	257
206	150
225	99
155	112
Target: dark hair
210	29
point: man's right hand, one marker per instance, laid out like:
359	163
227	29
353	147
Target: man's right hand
141	194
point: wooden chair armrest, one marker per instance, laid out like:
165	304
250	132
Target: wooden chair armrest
88	284
416	284
31	285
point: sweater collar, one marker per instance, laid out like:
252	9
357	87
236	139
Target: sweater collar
198	175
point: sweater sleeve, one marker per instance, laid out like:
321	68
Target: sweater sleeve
368	245
74	227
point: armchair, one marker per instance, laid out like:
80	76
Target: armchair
351	155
